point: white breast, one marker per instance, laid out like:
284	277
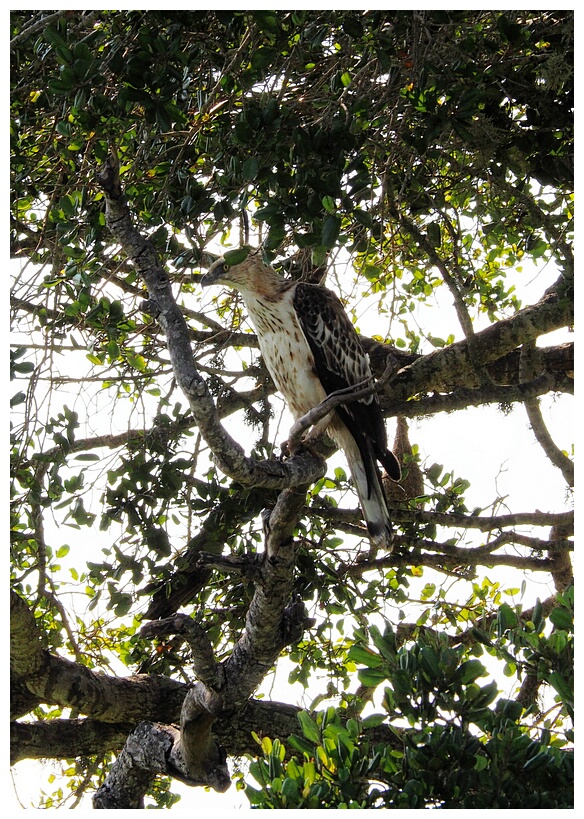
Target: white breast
286	352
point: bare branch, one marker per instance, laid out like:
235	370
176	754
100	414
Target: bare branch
444	367
267	630
553	452
462	398
483	523
529	363
204	663
60	681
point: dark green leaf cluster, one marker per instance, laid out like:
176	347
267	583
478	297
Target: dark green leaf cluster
448	741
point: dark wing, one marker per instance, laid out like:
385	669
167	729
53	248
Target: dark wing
341	362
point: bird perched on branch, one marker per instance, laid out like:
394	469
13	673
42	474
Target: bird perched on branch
311	350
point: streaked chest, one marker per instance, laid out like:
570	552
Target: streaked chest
286	352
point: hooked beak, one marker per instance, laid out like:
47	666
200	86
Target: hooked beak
215	274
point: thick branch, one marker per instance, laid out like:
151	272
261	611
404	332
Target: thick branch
63	738
62	682
56	739
451	562
461	399
483	523
272	622
443	368
272	618
143	757
268	625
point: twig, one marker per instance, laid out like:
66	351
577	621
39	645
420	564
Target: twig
335	399
205	666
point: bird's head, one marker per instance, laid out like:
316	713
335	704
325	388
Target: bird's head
242	269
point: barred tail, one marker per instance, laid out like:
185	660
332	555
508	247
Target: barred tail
367	480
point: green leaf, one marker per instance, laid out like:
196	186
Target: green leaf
511	709
562	618
538	249
365	656
506	618
266	21
123	604
434	472
318	255
363	217
52	36
309	727
481	762
487	695
470	670
371	678
17	399
61	87
250	168
243	133
330	231
275	237
353	27
385	643
481	636
565	691
237	256
329	204
429	662
373	720
24	367
300	744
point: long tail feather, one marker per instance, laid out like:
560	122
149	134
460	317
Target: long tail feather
367	480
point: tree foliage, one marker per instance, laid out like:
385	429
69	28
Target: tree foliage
411	158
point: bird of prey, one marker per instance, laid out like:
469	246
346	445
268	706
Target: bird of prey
311	350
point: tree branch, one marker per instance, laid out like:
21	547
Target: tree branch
54	739
205	665
271	623
271	618
62	682
528	364
553	452
483	523
442	368
462	398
